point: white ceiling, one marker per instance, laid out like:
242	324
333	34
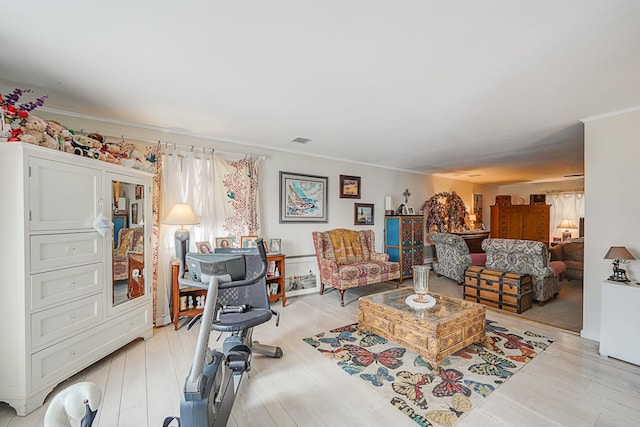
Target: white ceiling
485	91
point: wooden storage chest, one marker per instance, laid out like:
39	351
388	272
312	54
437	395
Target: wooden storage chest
505	290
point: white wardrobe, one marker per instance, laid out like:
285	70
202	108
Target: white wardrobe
57	295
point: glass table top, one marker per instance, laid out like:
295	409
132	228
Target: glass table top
445	306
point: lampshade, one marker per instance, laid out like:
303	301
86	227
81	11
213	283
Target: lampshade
181	214
567	223
618	252
472	217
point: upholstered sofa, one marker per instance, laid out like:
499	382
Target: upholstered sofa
129	240
524	257
347	259
453	257
571	253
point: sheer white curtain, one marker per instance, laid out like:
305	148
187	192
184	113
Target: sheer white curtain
569	204
224	196
187	177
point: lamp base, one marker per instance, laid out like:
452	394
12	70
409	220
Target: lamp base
614	278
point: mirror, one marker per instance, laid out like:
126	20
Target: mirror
128	241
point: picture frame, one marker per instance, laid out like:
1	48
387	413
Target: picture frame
139	191
224	242
301	276
477	207
248	241
134	213
408	210
363	213
303	198
275	246
204	248
349	187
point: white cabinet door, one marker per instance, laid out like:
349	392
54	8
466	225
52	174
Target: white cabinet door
619	333
62	196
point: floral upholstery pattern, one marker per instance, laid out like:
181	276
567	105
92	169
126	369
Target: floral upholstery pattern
525	257
347	259
129	240
453	256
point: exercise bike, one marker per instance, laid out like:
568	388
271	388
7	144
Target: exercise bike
236	301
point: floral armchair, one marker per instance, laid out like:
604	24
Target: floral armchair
453	256
347	259
524	257
129	240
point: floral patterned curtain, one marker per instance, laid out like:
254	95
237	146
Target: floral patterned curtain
236	204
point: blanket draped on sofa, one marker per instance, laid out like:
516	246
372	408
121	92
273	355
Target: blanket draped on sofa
347	259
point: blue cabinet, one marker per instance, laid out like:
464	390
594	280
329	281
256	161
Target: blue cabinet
404	241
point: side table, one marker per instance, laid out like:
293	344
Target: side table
185	291
275	278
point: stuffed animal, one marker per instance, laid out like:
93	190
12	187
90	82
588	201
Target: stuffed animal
34	129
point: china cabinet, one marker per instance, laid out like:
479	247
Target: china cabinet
528	222
404	241
59	291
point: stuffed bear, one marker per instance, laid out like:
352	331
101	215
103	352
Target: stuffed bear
50	142
33	128
55	129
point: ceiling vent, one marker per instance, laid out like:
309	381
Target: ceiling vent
301	140
573	175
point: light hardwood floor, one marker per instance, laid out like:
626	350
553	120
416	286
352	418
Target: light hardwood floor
569	384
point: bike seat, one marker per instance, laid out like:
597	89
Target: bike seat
234	322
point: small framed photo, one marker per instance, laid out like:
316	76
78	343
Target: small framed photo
223	242
275	246
204	247
139	191
363	213
349	187
248	241
408	210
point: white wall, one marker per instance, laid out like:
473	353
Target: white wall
612	175
376	183
520	192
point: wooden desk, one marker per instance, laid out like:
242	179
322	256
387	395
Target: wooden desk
177	292
136	287
474	239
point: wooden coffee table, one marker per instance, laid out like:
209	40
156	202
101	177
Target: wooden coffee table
434	333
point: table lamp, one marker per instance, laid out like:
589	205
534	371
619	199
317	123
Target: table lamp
618	253
472	221
181	214
567	223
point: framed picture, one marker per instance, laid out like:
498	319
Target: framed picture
408	210
349	187
204	248
275	246
223	242
303	198
134	213
139	191
363	213
477	207
248	241
301	275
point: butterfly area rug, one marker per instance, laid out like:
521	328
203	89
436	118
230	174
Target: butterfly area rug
431	397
